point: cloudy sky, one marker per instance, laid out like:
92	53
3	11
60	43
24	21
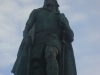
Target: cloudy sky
84	19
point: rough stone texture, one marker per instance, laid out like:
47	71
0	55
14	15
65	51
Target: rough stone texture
46	46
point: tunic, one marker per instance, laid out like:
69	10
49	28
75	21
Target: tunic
47	32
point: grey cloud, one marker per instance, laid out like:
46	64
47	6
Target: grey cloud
82	15
1	74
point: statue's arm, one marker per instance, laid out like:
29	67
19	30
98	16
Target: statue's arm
67	28
30	22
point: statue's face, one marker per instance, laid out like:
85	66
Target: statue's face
52	7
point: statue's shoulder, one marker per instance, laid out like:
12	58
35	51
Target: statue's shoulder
38	10
35	11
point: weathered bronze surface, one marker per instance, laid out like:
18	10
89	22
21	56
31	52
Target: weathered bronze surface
46	46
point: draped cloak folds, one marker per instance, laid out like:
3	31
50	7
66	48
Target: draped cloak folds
20	66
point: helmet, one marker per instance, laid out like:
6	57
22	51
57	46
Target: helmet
51	2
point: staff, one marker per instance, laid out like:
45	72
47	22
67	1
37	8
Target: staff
62	52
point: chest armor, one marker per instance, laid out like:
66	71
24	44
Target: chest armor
47	21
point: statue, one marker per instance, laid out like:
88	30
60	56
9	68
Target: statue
46	46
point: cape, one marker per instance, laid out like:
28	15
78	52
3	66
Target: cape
21	62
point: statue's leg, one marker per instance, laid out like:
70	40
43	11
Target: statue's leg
52	67
37	68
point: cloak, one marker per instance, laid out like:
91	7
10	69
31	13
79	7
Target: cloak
69	66
20	66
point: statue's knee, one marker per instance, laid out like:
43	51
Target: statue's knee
51	53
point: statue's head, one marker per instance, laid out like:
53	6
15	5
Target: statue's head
52	4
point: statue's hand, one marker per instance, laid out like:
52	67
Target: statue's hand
70	38
28	39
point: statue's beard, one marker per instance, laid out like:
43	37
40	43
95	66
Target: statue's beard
51	8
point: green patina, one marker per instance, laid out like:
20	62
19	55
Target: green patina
46	46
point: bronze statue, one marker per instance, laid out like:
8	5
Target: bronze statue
46	46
